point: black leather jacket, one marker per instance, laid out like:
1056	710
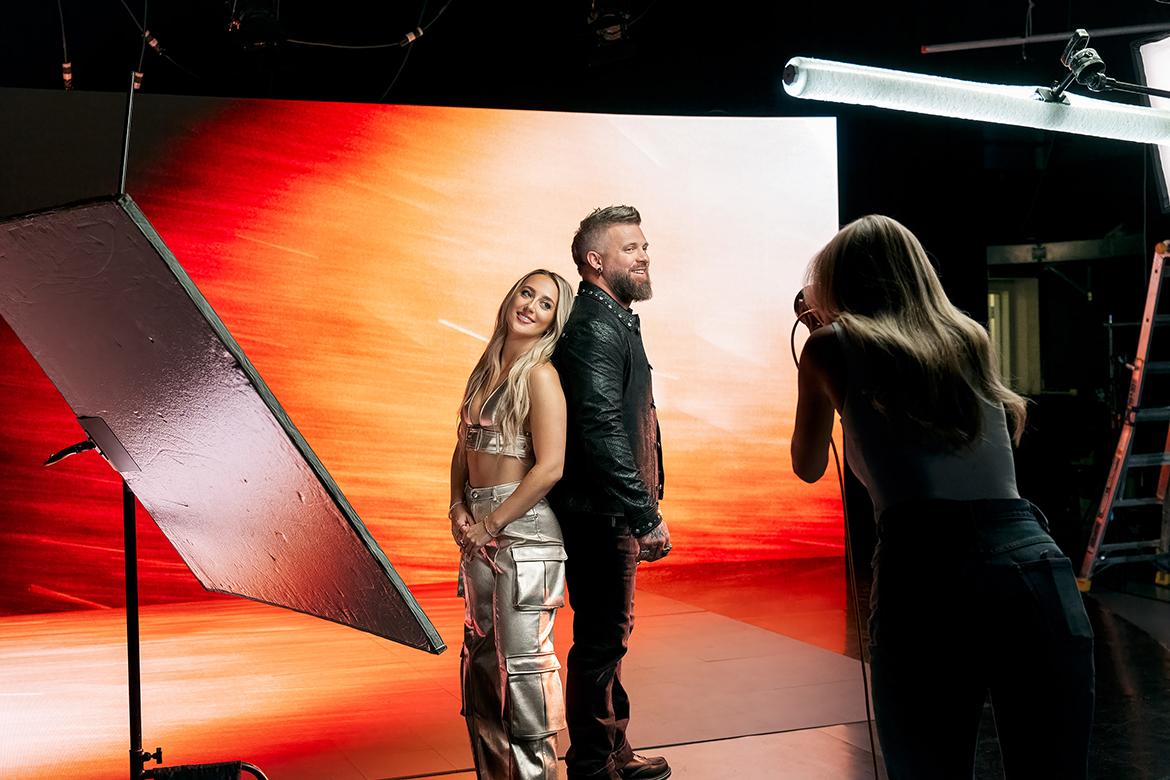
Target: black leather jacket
613	456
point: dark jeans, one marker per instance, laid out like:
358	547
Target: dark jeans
971	598
600	576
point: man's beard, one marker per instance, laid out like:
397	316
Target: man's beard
629	287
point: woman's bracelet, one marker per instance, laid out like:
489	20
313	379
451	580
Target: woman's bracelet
488	528
452	507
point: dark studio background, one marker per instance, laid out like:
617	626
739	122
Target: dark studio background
960	186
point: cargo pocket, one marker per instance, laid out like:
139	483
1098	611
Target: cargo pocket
535	706
540	576
464	680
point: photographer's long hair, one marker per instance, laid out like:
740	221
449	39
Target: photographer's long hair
515	403
930	361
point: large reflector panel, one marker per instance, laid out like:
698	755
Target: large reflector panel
1152	58
161	386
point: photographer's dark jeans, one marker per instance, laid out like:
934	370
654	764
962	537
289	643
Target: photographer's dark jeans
971	597
600	576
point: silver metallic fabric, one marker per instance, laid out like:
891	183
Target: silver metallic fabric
512	697
490	440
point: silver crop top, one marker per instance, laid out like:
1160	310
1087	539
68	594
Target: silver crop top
484	436
894	470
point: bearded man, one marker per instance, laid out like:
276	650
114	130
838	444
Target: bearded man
607	500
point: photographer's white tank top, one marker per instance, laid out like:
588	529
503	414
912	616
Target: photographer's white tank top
895	470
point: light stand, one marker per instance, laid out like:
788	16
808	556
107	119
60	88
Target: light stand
139	758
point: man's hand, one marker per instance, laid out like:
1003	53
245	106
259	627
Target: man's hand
654	545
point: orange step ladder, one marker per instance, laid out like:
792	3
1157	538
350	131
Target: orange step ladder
1099	555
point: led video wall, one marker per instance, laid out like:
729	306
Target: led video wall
358	254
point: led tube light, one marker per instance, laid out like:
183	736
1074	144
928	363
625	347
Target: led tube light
841	82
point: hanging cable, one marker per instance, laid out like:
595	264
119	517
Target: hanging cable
427	26
66	65
396	45
64	44
407	38
850	566
420	28
1148	158
1039	184
154	43
638	18
141	54
1027	28
396	75
851	572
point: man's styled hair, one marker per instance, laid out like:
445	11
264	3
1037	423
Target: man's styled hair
594	227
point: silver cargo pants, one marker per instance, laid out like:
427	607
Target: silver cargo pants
512	696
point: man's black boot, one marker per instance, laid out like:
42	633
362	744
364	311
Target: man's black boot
645	768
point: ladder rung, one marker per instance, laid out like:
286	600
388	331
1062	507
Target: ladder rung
1158	367
1148	459
1104	562
1153	413
1161	319
1151	501
1119	546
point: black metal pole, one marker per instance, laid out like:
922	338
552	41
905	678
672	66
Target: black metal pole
1136	89
126	134
132	654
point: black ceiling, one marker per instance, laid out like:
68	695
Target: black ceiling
946	178
688	57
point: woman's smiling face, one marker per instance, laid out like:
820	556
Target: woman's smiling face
534	306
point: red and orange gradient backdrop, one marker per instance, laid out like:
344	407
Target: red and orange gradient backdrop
358	254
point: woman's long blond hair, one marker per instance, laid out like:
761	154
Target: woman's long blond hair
930	361
515	403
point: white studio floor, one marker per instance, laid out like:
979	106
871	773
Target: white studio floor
304	699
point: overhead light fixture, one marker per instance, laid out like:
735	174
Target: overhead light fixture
1043	108
254	24
609	31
